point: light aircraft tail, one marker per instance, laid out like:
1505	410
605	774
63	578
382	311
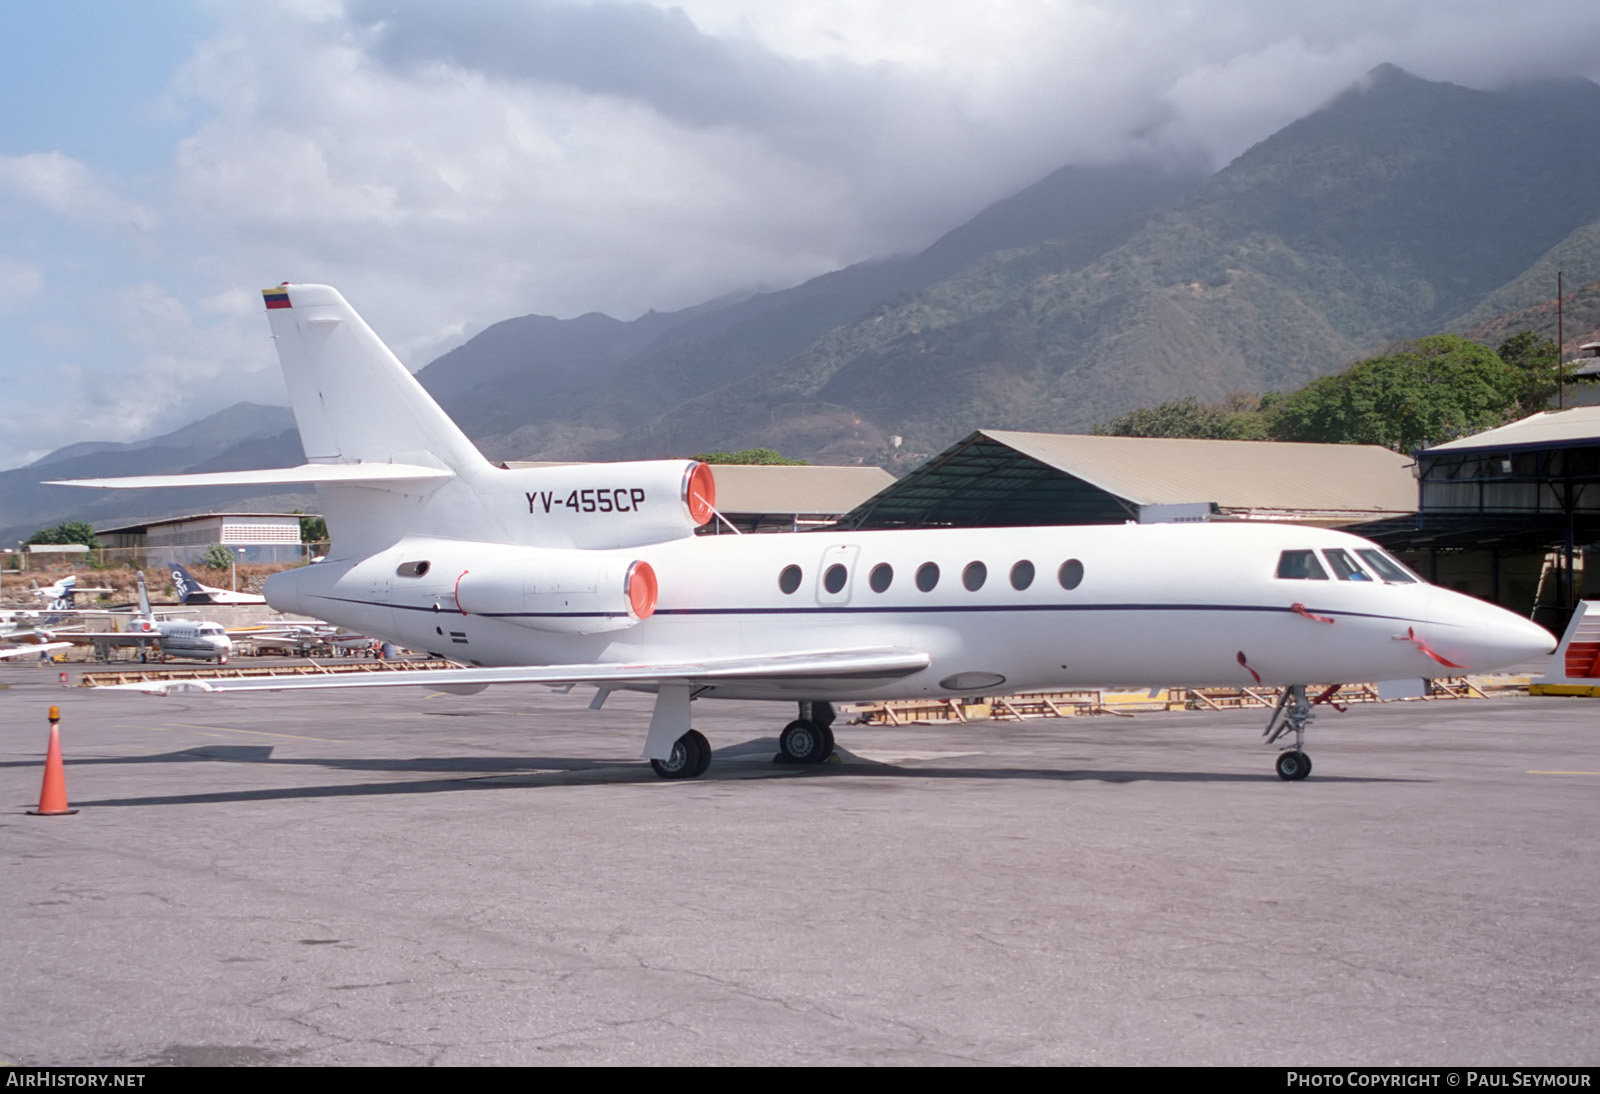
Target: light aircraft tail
184	584
144	597
65	600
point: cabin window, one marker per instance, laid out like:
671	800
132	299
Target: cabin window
833	578
881	578
1302	565
974	576
1071	574
1390	569
1345	568
789	580
1022	575
927	576
412	569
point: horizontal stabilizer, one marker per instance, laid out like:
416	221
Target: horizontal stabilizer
862	664
307	474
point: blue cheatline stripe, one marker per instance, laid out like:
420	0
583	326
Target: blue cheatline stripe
890	609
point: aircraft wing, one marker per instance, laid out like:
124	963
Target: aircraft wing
877	663
107	638
40	648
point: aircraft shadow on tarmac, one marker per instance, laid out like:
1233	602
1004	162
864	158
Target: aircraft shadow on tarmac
740	763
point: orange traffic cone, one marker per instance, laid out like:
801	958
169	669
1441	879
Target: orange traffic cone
53	794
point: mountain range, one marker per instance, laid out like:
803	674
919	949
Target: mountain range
1401	208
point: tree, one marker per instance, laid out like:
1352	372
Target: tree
217	557
1535	359
1238	418
72	531
765	456
312	529
1425	392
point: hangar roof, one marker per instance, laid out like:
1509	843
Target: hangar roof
1549	429
140	527
1003	477
803	491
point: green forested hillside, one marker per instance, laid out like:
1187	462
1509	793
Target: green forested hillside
1394	212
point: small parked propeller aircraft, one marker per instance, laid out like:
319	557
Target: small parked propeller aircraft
593	574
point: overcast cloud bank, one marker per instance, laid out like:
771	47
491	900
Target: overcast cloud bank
448	167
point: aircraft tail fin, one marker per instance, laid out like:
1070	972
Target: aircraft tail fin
144	597
353	400
185	585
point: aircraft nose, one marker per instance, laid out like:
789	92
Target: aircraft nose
1509	638
1482	637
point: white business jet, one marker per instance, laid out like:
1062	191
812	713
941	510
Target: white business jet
593	574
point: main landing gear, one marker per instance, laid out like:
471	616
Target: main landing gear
809	738
1292	715
806	740
691	755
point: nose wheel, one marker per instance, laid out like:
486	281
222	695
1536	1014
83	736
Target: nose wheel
1292	715
1293	765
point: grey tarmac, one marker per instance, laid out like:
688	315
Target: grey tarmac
497	879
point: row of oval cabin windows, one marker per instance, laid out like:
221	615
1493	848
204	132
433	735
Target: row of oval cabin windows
973	576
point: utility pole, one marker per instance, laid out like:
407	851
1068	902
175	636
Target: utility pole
1561	344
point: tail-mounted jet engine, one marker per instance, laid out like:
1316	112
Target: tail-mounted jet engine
605	505
554	591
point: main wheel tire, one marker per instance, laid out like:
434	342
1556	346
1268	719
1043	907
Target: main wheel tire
705	753
803	742
1293	765
691	755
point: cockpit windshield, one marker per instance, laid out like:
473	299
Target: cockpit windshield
1302	565
1345	568
1361	564
1387	567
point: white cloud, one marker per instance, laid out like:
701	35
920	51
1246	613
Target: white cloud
65	186
451	166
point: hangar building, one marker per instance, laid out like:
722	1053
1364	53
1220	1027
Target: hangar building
1505	514
1001	477
790	498
265	537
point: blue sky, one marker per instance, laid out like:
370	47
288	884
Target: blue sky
448	166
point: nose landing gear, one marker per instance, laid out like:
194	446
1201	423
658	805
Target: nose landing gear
1293	765
1292	715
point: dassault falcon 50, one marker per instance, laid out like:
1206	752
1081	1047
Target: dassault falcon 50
593	574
